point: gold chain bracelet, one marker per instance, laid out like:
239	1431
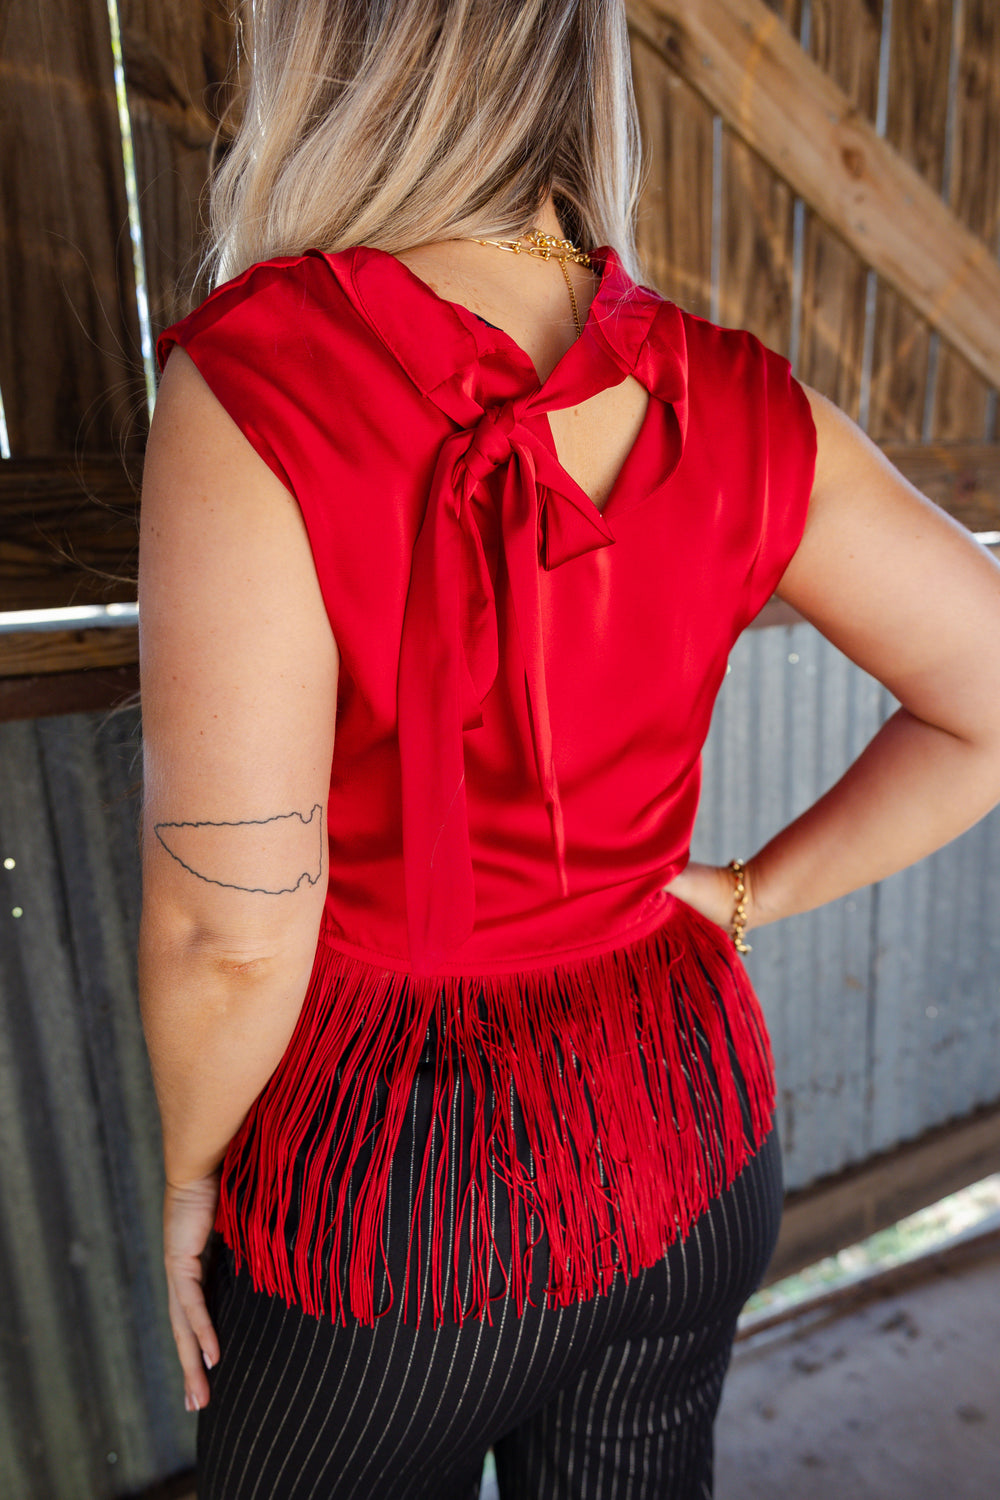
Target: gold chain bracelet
738	867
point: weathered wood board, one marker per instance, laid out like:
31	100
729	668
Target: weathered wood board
70	353
756	259
962	408
68	532
746	64
844	40
916	126
675	219
176	59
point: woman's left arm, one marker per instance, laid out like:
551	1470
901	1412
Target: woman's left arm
908	595
239	682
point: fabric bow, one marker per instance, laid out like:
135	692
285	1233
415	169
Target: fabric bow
449	654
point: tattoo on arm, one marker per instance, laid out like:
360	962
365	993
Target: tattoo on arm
264	856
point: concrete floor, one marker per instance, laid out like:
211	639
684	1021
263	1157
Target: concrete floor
897	1398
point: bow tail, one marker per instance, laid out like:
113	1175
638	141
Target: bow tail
442	679
521	526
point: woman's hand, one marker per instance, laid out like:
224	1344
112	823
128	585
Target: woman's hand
188	1216
711	890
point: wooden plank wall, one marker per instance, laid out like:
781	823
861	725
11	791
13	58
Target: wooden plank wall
919	44
738	246
964	408
70	350
722	233
676	215
176	59
71	362
70	365
843	37
755	254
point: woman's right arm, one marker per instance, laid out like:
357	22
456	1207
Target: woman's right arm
910	597
239	692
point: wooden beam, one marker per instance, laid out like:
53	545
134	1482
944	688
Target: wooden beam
96	691
32	653
69	527
68	531
963	478
750	68
57	547
844	1209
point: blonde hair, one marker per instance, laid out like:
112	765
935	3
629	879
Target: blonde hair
394	123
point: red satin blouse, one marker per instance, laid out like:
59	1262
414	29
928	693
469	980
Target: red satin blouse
525	683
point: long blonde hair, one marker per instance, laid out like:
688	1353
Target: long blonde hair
394	123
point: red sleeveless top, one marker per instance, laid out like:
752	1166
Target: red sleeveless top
525	687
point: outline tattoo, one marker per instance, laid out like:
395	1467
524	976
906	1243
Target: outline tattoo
197	848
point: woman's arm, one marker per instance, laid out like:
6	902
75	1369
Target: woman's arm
908	595
239	682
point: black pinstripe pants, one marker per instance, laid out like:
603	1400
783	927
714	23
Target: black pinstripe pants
612	1398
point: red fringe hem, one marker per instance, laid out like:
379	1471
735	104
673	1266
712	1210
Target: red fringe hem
622	1065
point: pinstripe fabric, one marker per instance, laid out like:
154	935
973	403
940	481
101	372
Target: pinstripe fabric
612	1398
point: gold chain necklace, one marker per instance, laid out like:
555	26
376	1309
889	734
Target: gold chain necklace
547	247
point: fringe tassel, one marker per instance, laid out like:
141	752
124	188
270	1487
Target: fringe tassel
621	1064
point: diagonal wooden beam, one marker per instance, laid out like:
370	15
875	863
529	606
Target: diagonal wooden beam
747	65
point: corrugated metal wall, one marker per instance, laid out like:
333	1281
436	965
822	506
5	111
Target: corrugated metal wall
90	1401
882	1009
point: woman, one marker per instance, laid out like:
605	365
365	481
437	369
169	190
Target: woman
453	1045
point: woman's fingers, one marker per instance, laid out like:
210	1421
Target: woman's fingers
188	1217
193	1333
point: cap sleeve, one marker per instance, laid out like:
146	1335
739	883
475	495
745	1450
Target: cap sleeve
785	477
249	340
